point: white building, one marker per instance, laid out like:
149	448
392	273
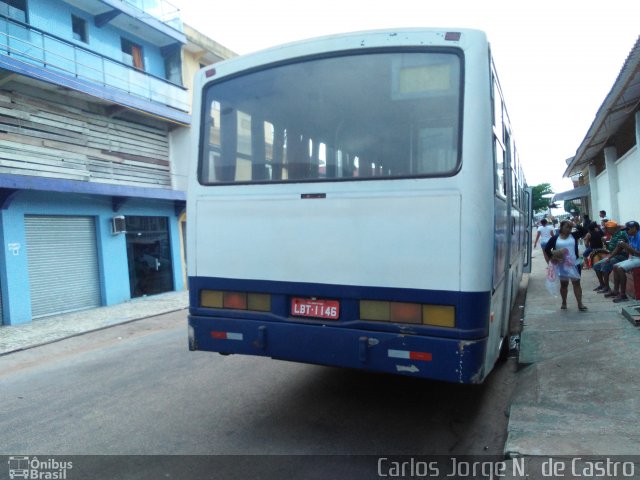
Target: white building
606	167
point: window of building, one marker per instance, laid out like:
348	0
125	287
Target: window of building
16	9
132	54
79	28
173	63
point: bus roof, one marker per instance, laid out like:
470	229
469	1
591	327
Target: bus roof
351	41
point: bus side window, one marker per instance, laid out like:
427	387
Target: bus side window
500	179
514	175
211	156
511	163
497	113
499	147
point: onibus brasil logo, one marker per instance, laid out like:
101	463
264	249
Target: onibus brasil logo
33	468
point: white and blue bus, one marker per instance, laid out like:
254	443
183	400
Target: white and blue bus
357	201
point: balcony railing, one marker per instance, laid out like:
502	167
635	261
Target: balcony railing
161	10
35	47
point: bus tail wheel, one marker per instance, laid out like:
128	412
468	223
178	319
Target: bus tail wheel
503	349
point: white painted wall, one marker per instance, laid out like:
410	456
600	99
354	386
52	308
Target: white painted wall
629	179
604	200
179	157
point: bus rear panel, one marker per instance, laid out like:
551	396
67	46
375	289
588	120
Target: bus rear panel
329	211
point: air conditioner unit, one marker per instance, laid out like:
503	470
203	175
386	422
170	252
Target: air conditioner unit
118	225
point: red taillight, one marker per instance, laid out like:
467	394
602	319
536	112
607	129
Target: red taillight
452	36
235	300
424	356
406	312
210	73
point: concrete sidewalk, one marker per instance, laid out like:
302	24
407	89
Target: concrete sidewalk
579	390
19	337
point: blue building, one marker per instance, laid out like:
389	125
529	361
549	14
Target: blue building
91	97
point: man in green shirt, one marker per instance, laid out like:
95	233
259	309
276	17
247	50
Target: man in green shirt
604	267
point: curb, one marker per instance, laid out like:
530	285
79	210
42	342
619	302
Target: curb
78	334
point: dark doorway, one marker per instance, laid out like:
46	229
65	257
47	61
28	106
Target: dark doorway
149	255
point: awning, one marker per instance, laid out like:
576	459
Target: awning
580	192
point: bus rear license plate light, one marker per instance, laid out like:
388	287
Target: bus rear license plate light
315	308
439	315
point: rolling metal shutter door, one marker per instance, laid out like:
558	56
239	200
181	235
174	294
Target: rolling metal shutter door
63	264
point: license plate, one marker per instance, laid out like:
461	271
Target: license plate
308	307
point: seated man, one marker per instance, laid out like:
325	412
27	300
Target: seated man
620	269
604	267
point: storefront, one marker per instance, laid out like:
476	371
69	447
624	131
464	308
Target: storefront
63	254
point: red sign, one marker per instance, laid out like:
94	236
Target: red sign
307	307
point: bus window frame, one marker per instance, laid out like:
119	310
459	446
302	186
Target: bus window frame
338	53
501	189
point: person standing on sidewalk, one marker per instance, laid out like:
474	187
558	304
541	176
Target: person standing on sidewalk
563	250
620	269
604	267
545	232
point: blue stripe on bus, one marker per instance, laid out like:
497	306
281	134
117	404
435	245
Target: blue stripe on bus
472	308
447	359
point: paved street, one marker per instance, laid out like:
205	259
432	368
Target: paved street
136	389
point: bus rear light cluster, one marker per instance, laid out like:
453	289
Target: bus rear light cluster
401	312
257	302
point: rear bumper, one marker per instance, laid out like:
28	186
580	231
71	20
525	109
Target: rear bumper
451	360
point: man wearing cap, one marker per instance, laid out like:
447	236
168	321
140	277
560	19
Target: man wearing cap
620	269
604	267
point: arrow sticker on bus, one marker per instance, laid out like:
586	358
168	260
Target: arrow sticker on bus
410	368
